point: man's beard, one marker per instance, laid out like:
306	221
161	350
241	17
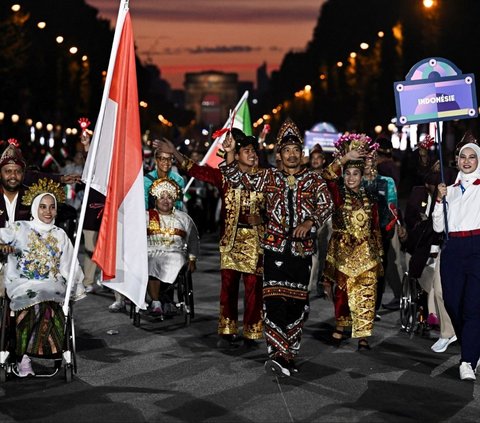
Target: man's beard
8	188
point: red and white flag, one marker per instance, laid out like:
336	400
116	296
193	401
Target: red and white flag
121	249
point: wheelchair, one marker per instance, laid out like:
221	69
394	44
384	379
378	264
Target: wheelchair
183	285
8	357
413	307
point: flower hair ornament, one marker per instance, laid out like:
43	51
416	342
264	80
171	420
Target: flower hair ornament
165	185
43	186
427	142
352	141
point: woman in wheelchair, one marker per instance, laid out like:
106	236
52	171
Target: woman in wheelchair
172	242
36	272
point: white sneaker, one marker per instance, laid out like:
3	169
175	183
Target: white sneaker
116	306
466	371
24	368
442	344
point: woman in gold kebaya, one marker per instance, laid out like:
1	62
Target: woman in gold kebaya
355	248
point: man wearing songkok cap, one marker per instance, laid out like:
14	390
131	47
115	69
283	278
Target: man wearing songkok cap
15	178
12	173
297	202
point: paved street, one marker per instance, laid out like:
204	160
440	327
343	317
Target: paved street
165	372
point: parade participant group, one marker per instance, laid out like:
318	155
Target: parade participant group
320	227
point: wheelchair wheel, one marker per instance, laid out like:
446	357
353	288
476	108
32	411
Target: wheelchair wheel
408	304
68	373
69	354
3	374
189	309
136	319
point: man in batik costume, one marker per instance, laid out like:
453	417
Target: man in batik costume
297	200
241	232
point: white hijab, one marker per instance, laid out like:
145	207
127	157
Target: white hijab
36	222
466	179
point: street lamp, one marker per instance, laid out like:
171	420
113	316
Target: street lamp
429	3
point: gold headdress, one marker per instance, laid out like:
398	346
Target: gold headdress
43	186
289	134
351	141
165	185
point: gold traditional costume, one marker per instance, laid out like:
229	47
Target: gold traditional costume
354	254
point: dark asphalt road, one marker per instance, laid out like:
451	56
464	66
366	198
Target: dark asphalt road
165	372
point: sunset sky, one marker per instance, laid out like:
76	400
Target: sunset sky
232	36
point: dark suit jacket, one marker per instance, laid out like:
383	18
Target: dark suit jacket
21	212
421	235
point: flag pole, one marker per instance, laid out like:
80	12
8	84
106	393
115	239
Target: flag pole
227	124
442	175
122	12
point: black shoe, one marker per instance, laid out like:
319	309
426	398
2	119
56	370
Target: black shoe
363	345
377	317
251	343
392	305
337	340
227	341
277	367
292	366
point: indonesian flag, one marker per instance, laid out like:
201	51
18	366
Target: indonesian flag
239	118
116	157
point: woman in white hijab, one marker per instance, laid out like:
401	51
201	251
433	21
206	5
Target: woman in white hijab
460	262
36	277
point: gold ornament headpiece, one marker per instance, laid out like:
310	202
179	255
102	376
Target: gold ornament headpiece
165	185
351	141
43	186
12	154
289	134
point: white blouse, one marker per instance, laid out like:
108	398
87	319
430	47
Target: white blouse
38	269
463	209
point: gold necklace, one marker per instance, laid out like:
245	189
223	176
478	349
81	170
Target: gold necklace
167	228
356	221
